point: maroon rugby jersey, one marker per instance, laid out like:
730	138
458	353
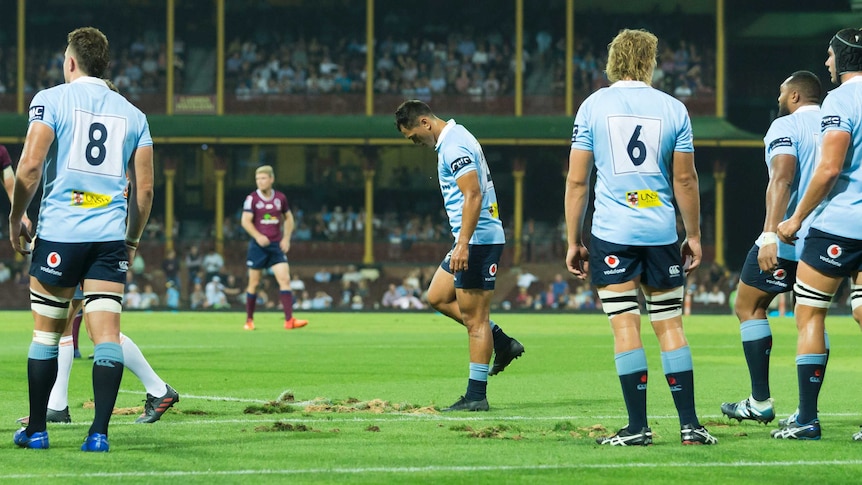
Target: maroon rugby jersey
267	214
5	160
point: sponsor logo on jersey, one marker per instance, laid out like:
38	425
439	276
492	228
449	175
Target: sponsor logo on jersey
459	164
492	270
574	133
268	206
494	210
259	205
784	141
779	274
674	270
124	266
89	200
268	219
37	113
612	261
828	121
277	203
643	199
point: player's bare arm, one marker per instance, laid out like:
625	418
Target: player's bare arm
247	223
833	150
469	186
141	176
687	195
576	199
36	145
287	231
783	171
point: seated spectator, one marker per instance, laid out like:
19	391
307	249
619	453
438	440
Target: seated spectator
304	301
352	275
232	289
323	276
321	301
356	303
390	296
171	267
193	261
215	296
716	296
198	298
547	299
149	298
526	279
5	273
524	300
132	299
583	299
407	302
262	300
172	295
701	295
561	288
296	283
212	264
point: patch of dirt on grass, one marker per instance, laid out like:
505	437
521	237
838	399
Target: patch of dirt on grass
117	411
271	407
497	432
373	406
286	427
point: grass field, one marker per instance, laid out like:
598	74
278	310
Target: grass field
544	408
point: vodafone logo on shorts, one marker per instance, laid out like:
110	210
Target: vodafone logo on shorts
834	251
612	261
54	259
779	274
493	269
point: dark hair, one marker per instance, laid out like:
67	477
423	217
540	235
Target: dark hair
90	47
808	85
409	111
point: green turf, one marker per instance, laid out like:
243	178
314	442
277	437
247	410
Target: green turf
543	408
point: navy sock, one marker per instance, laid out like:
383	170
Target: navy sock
809	373
757	344
678	371
632	371
41	374
477	385
107	374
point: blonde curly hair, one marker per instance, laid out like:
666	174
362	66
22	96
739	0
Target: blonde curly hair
632	55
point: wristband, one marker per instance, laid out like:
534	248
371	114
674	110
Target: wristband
766	238
132	242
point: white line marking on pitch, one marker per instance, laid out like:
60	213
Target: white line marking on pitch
440	469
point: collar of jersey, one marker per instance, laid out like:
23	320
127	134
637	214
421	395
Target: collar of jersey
808	107
629	84
854	79
260	194
89	80
443	132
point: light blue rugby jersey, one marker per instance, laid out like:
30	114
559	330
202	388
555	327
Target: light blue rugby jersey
798	135
839	212
96	131
633	130
459	153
